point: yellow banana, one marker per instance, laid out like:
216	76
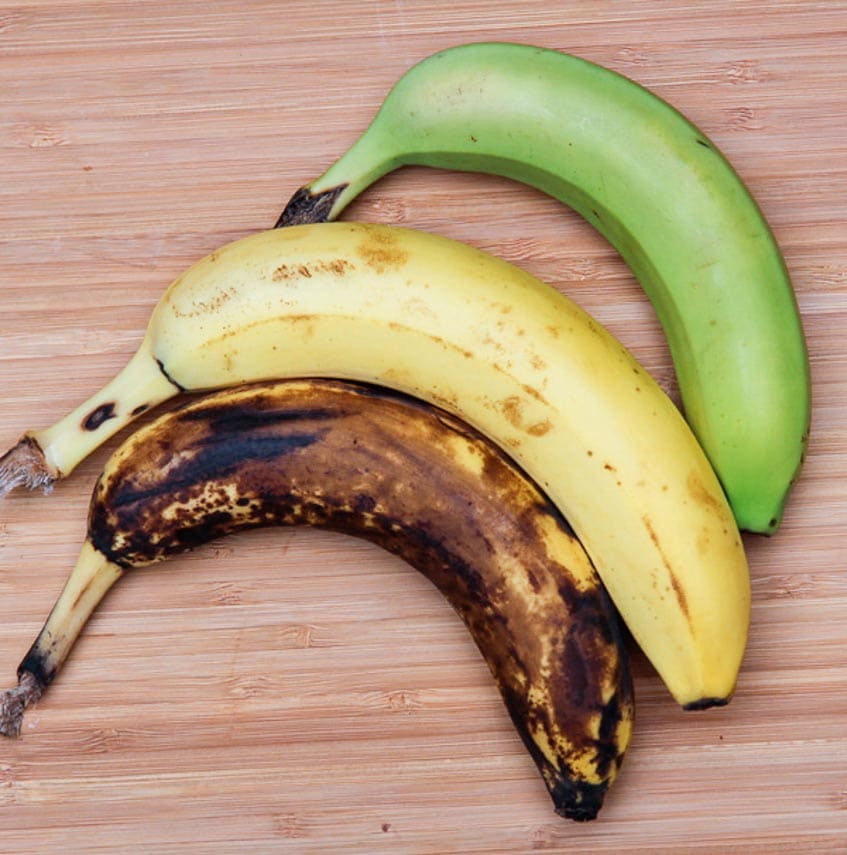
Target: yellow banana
485	340
402	474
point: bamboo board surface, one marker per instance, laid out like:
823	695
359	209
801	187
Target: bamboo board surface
296	691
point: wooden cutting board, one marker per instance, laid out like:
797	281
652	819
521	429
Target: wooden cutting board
290	691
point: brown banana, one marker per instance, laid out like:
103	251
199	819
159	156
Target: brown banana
401	473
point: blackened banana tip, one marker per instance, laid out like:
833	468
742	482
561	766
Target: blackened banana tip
705	704
579	801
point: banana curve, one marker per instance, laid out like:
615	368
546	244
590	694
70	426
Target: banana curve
511	356
396	471
666	198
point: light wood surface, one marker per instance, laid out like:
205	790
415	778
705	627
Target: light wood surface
290	691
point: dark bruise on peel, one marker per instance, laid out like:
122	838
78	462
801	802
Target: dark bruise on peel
305	207
344	457
255	414
99	416
196	524
168	376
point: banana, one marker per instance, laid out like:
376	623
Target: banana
661	193
404	475
517	360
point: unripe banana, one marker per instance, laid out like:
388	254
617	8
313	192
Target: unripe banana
661	193
404	475
510	355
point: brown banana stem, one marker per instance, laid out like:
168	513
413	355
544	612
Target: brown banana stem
307	207
23	465
13	703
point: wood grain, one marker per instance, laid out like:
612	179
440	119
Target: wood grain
291	691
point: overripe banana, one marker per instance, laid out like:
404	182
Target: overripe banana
405	475
661	193
513	357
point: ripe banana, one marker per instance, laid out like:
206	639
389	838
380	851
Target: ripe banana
510	355
661	193
404	475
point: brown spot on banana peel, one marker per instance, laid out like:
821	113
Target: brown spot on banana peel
381	250
533	393
335	266
540	428
513	409
675	585
250	458
443	342
680	596
698	491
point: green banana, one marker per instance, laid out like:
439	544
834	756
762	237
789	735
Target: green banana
661	193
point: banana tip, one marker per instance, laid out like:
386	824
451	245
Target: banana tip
579	801
705	703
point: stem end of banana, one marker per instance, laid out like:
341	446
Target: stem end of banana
306	207
24	465
14	702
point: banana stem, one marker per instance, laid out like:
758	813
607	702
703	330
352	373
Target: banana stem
13	703
24	465
306	206
369	158
92	577
45	456
139	386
